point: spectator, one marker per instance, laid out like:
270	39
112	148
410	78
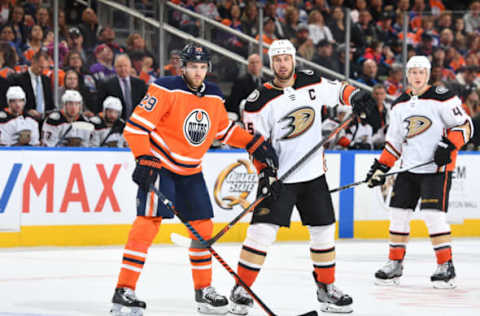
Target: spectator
136	57
384	29
230	41
243	86
3	92
5	11
109	126
444	21
107	36
135	42
73	82
425	48
62	27
467	81
270	11
446	37
37	86
376	9
7	35
75	43
129	89
208	9
34	43
324	56
19	28
303	43
393	84
337	26
367	33
8	60
103	69
354	69
440	76
428	27
472	17
174	67
17	128
73	60
89	29
291	23
471	103
317	29
43	19
454	59
67	127
30	7
250	19
459	29
379	93
359	6
369	73
268	33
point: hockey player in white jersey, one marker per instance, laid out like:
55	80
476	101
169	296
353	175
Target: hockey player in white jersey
427	123
288	111
109	125
16	127
67	127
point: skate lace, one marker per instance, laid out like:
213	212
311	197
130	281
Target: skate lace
390	266
240	292
212	294
334	291
130	294
442	268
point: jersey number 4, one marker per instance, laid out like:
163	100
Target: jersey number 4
148	102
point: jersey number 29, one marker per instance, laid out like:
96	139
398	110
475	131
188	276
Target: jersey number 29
148	102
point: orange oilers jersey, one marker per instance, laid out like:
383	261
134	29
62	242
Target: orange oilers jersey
178	125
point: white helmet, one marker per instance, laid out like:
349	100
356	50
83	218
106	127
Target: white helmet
281	47
72	96
418	62
15	93
112	103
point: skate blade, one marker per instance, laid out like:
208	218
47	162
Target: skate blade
387	282
238	309
444	284
332	308
204	308
120	310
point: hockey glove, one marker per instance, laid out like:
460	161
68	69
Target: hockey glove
146	171
443	152
262	151
376	175
268	183
362	102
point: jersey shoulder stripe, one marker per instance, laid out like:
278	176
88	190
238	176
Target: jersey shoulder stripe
438	93
404	97
260	97
172	83
211	89
5	117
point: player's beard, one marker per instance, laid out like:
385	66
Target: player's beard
285	77
193	83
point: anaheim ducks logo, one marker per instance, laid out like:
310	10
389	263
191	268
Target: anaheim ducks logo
234	184
417	125
196	127
299	121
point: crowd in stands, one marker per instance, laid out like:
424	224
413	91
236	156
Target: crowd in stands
97	66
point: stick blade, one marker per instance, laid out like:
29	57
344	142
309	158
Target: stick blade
311	313
180	240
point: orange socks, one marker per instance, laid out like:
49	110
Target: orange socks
142	233
201	259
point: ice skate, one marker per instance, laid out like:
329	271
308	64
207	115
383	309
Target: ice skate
126	303
240	300
210	302
332	299
444	276
390	273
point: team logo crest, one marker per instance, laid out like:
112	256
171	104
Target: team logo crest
299	121
234	184
196	127
416	125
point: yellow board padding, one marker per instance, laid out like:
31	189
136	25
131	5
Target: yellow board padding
379	229
99	235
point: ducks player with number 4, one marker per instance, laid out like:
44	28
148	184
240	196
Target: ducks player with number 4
169	132
427	123
288	110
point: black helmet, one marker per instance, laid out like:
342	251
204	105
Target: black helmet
196	53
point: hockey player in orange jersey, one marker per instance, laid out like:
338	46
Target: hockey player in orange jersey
169	132
426	123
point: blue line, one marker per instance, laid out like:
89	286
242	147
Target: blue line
347	175
12	178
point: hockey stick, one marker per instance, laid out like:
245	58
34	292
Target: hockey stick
186	242
172	208
348	186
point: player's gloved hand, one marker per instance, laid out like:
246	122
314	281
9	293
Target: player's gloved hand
262	151
376	174
146	171
362	102
268	183
443	152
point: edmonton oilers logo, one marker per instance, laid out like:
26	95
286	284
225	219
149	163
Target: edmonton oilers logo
196	127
